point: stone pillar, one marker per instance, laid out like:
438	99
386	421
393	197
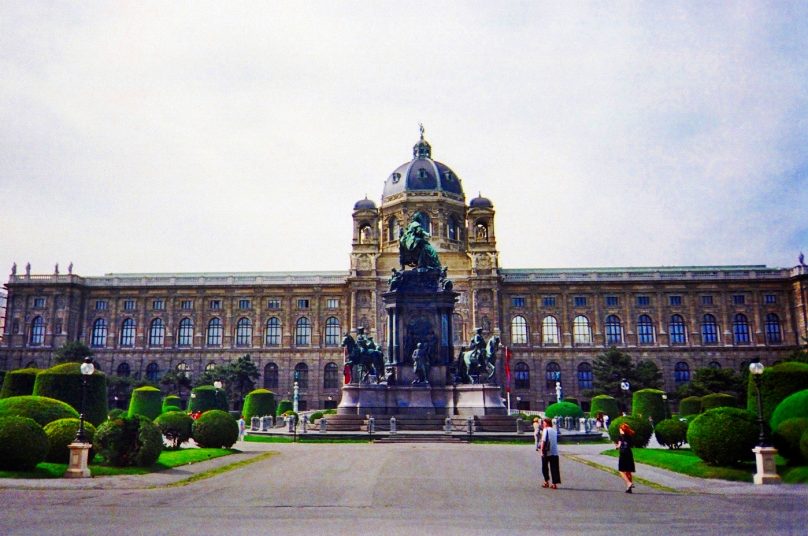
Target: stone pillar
77	468
766	468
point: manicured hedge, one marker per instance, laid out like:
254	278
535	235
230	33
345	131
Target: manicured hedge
176	427
258	403
671	433
642	430
171	401
283	407
19	382
116	413
604	404
39	408
648	403
319	415
171	409
776	383
787	436
215	429
23	443
718	400
690	406
207	397
64	382
793	406
564	409
146	401
723	436
129	441
60	434
804	445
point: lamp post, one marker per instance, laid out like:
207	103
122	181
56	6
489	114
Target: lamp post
665	403
625	387
80	447
764	454
87	368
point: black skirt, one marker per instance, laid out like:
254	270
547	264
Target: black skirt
625	463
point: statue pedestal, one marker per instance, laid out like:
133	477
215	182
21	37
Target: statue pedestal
421	399
77	468
766	467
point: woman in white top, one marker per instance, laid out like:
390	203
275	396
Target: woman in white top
548	445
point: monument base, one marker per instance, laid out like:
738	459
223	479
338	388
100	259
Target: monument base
421	399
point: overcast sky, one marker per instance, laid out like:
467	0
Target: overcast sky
194	136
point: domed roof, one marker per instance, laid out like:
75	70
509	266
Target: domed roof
422	174
481	202
364	204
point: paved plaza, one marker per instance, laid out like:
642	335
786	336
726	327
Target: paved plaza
430	488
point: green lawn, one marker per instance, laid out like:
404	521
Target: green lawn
167	460
301	439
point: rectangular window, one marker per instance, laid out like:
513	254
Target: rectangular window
770	299
128	305
303	303
707	300
39	303
244	304
215	305
675	299
643	301
274	303
518	301
158	305
580	301
549	301
612	301
332	303
738	299
101	305
186	305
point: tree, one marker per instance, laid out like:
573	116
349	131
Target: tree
238	377
647	376
715	380
174	381
609	369
72	352
119	389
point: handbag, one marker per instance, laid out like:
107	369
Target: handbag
545	446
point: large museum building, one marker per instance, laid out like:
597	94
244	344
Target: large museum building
555	321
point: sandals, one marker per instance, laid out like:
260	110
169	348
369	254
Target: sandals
553	487
546	485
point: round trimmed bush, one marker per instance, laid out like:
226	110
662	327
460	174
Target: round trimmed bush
129	441
723	436
258	403
315	416
776	383
19	382
564	409
604	404
787	436
170	409
116	413
146	401
793	406
647	403
571	400
39	408
690	406
60	434
23	443
171	401
671	433
718	400
207	397
176	427
64	382
642	430
215	429
804	445
283	407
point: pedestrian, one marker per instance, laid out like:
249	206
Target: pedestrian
625	462
549	455
536	431
242	428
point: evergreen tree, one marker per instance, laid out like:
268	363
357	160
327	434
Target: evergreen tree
72	352
609	369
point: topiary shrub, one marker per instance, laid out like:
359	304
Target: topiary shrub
39	408
258	403
571	400
563	409
215	429
647	403
690	406
786	438
19	382
207	397
115	413
171	409
604	404
283	407
723	436
23	443
60	434
315	416
671	433
776	383
793	406
176	427
64	382
129	441
804	445
718	400
146	401
642	430
171	401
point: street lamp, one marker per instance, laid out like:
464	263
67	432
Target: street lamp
87	368
217	384
80	447
764	454
756	369
625	386
665	403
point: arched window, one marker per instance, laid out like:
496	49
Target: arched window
614	330
99	337
393	230
123	369
210	367
740	329
681	373
271	376
552	374
186	332
451	229
518	330
273	335
157	332
331	331
549	330
773	333
153	372
243	332
481	231
31	364
302	375
676	329
714	365
184	369
521	376
214	335
365	234
584	376
128	333
331	376
302	332
457	329
38	331
645	329
424	220
709	330
581	332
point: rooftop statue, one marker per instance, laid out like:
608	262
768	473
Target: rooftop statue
415	250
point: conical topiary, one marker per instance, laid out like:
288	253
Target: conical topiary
64	382
146	401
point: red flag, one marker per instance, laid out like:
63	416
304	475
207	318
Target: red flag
507	370
346	372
